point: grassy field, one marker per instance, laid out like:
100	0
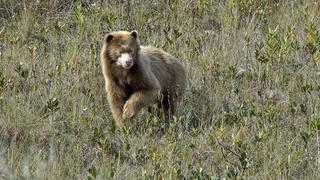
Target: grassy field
251	109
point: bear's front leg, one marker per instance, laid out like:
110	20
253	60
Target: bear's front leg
137	101
116	106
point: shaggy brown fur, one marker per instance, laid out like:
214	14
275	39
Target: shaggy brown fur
155	78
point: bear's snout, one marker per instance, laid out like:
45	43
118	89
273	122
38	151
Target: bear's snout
128	63
125	60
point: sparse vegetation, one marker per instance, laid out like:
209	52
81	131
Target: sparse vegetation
251	109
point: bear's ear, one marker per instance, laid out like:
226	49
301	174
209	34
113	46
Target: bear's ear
108	37
134	34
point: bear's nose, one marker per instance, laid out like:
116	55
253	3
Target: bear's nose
128	63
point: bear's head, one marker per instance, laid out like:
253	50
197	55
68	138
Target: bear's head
122	48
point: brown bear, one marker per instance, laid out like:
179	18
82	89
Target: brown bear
138	77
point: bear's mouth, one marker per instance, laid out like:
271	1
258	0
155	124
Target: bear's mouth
128	65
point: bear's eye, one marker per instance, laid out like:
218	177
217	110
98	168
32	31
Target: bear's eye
115	55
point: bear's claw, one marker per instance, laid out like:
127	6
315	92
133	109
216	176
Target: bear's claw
128	112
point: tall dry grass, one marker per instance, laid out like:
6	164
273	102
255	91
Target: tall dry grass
251	109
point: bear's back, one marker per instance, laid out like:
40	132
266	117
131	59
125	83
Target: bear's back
167	69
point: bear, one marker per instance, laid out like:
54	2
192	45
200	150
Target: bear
139	77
